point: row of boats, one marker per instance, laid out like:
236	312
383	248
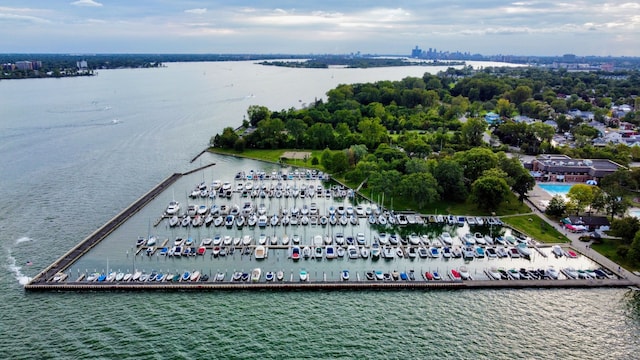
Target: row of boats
461	273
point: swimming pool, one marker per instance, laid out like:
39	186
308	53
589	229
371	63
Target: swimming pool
556	189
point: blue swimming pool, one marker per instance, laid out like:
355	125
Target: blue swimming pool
556	189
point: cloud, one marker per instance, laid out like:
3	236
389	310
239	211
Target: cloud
91	3
198	11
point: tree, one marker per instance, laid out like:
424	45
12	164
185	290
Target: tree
257	113
420	187
504	108
475	161
226	140
556	206
634	249
386	181
580	195
339	162
489	191
450	177
625	228
373	132
520	179
472	131
296	128
320	135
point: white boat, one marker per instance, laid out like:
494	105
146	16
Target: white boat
464	273
524	250
341	252
557	250
269	276
304	276
446	238
262	239
280	275
551	273
494	273
330	252
352	252
306	252
255	274
364	252
388	253
285	239
247	240
434	252
174	220
195	276
173	208
260	252
344	275
570	272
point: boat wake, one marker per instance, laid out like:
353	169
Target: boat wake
16	270
23	239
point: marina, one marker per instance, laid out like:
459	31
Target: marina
315	234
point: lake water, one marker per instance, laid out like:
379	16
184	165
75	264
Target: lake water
76	151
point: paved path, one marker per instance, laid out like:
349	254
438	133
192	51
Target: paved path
585	249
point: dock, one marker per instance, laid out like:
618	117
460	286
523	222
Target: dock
292	285
93	239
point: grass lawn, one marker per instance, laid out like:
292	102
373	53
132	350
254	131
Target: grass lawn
608	248
271	155
532	225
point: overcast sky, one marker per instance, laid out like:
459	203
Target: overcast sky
582	27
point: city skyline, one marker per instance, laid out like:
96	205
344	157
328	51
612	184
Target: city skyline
487	27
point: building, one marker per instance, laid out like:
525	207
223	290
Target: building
591	223
561	168
492	118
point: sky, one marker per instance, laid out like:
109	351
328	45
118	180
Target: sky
488	27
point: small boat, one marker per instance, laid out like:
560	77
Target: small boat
306	252
570	272
304	276
244	277
345	275
423	252
379	275
434	252
330	252
364	252
255	274
220	276
464	273
375	251
352	251
202	250
446	238
436	276
455	275
341	252
388	253
524	250
269	276
185	276
479	251
551	273
295	253
237	276
260	253
280	275
494	273
195	276
491	253
557	250
501	252
571	254
395	275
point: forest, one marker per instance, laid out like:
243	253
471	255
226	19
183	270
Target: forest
425	140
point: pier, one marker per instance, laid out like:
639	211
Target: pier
93	239
327	285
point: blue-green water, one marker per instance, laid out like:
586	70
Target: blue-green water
66	167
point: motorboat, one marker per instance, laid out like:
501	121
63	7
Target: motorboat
352	252
557	250
295	253
571	254
262	239
414	239
339	239
344	275
388	253
436	276
479	238
202	250
494	273
446	238
551	273
185	276
341	252
218	221
260	252
379	275
479	251
285	239
464	273
514	274
295	239
501	252
370	275
330	252
269	276
306	252
456	252
304	276
364	252
434	252
446	252
423	252
455	275
491	252
195	276
570	272
220	276
280	275
255	274
513	252
360	239
375	251
524	250
173	208
399	252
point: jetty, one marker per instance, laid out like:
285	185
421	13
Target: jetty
101	233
